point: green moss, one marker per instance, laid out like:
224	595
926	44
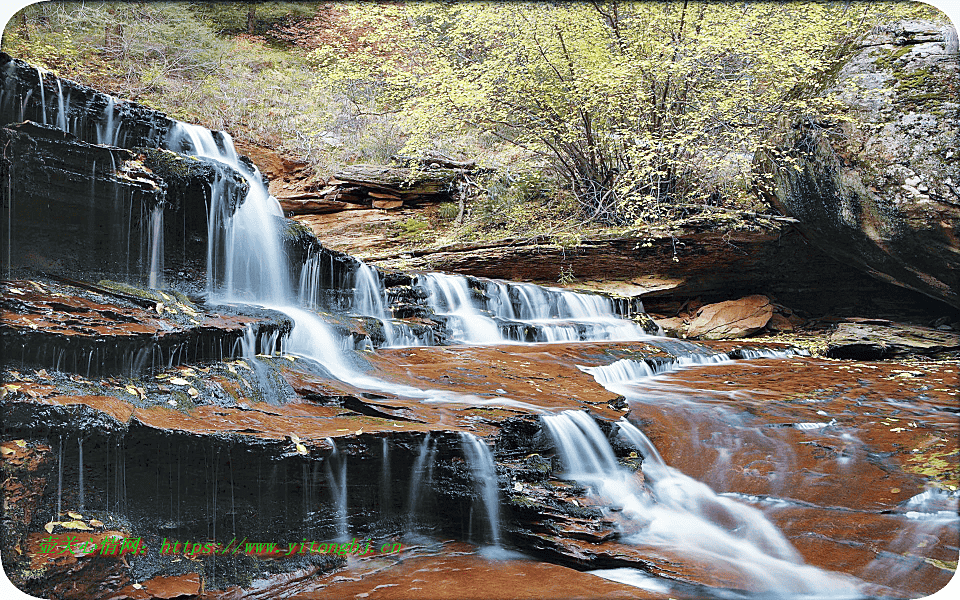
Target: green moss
885	59
915	80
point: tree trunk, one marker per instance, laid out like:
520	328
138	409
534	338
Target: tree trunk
251	17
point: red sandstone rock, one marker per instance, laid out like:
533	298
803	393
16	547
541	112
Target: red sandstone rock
732	319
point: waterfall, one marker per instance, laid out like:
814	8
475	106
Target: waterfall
61	108
621	373
684	515
521	312
43	98
417	482
484	472
338	490
252	261
155	243
107	131
368	298
449	295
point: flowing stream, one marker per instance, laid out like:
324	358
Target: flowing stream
246	264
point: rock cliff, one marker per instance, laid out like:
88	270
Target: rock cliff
879	185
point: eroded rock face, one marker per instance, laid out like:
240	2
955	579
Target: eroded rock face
882	191
76	207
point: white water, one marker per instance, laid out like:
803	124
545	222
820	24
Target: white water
684	516
619	375
336	467
484	471
505	312
245	247
680	513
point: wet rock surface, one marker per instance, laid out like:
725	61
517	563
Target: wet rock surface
888	426
100	329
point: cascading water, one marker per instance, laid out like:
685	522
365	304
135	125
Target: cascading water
245	247
518	312
484	472
422	464
684	515
336	468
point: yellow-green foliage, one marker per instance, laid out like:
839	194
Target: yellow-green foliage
632	104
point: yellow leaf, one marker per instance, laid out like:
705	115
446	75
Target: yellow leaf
74	515
301	449
96	523
179	381
49	526
78	525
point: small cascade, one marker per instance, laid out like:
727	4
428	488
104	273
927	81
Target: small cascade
683	515
107	132
311	281
249	259
61	108
484	472
336	468
624	371
266	385
155	244
450	296
43	97
368	298
417	480
519	312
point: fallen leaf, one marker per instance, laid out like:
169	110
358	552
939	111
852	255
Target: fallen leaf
138	586
294	438
42	373
172	402
179	381
301	449
96	523
79	525
74	515
5	451
193	392
159	308
49	526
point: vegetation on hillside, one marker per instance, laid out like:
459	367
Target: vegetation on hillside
612	114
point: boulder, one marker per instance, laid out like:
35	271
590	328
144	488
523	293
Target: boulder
732	319
879	338
879	188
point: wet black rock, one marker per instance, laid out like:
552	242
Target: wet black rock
30	93
70	206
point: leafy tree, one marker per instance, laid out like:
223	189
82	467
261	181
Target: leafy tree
252	17
636	105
